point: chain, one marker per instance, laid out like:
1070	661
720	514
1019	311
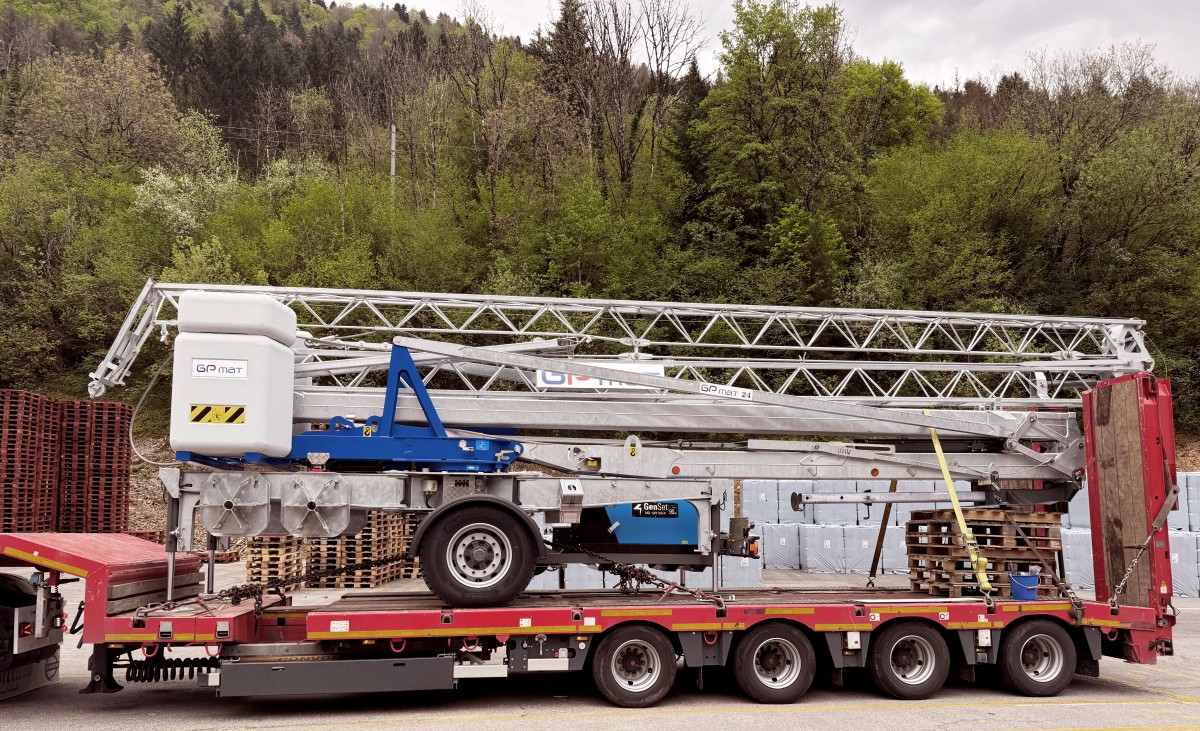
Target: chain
1120	588
1159	521
236	594
1062	586
632	577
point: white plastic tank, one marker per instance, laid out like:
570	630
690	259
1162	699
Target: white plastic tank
233	381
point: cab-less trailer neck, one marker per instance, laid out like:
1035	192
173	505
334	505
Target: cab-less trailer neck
773	641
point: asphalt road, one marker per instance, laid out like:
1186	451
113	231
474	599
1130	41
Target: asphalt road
1164	696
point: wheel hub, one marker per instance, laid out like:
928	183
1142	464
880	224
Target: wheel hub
479	555
777	663
632	661
912	660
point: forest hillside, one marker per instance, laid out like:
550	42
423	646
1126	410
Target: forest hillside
248	141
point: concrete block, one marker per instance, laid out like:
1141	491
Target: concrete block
859	548
780	546
1077	554
786	514
895	553
739	573
1079	511
822	548
1185	571
1180	519
760	500
1193	482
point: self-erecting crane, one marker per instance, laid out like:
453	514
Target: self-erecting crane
621	426
294	380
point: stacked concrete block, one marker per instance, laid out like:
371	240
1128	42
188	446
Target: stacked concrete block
780	546
736	573
858	547
1193	498
1079	510
1179	519
822	548
1185	572
1077	557
760	501
805	513
895	553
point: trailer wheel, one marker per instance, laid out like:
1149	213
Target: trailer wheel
478	556
774	663
909	660
1037	658
634	667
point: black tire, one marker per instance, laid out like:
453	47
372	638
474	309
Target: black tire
774	663
500	563
909	660
633	667
1037	658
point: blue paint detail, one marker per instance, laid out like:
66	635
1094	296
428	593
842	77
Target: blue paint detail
383	440
632	529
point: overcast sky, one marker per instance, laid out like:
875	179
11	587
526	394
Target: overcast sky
937	39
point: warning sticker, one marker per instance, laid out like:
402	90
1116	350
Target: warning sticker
656	510
215	414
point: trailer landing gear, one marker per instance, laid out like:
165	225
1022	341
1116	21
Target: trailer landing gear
101	666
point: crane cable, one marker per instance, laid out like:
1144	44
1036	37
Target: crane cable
978	562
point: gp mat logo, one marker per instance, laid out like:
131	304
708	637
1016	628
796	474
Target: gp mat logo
216	414
558	379
218	368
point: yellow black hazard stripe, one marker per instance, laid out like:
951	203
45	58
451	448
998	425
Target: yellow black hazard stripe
216	414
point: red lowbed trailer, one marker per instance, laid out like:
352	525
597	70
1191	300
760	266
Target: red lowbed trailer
774	640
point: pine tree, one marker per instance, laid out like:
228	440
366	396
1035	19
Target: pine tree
170	42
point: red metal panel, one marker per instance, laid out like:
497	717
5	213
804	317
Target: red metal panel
1157	437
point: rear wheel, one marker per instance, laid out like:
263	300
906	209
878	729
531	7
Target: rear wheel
774	663
478	556
634	667
909	660
1037	658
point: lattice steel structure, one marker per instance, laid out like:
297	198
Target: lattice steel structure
880	357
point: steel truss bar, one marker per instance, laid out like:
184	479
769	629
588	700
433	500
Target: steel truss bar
948	421
632	411
900	357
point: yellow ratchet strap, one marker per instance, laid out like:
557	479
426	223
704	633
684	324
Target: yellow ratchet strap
979	562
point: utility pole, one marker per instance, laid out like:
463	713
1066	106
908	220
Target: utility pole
393	163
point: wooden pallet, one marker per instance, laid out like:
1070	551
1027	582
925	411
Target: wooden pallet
274	557
939	562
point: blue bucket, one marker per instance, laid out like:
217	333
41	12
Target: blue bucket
1024	586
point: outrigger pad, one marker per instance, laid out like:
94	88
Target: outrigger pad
100	665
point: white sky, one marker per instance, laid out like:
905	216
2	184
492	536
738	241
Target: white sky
936	40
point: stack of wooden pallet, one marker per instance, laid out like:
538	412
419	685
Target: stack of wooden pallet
385	535
274	557
939	564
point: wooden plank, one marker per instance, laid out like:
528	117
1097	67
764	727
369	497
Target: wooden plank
120	591
117	606
1123	525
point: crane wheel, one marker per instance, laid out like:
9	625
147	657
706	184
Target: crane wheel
478	556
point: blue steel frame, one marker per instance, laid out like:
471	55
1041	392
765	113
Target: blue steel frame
381	440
